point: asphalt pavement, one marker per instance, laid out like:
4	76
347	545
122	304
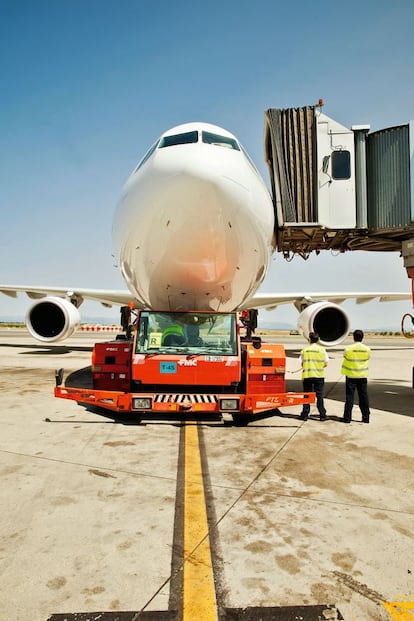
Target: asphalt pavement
303	520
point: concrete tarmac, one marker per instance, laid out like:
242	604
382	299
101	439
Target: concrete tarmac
302	514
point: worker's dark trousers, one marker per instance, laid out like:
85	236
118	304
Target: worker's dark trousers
360	384
314	384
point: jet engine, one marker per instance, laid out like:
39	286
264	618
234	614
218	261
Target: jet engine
52	319
326	319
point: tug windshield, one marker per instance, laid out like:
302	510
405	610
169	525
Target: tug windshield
186	333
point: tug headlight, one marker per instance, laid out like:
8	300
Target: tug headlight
141	403
229	404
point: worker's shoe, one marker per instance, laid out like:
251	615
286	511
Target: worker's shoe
324	417
303	417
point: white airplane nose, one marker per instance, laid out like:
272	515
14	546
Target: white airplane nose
195	228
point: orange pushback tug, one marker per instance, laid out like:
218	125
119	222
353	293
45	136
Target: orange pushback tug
185	362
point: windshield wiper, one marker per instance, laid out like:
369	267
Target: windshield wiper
216	350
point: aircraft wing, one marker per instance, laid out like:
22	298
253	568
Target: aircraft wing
107	297
318	311
272	300
116	297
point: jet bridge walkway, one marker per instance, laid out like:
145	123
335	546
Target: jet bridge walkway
336	188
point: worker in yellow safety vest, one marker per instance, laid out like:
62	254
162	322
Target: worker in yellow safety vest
314	359
355	367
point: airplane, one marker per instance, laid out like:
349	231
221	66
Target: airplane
193	230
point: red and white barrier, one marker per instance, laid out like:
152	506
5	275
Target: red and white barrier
90	327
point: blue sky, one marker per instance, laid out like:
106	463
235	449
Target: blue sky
87	85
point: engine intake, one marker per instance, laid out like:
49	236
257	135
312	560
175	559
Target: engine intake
327	319
52	319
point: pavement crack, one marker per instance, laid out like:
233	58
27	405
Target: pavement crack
257	477
89	466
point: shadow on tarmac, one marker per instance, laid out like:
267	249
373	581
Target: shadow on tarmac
46	349
177	420
394	397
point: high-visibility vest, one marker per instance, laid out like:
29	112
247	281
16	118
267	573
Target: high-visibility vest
313	361
355	362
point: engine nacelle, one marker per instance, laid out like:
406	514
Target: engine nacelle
327	319
52	319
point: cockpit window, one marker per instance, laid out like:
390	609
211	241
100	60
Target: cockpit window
249	159
147	156
220	141
171	141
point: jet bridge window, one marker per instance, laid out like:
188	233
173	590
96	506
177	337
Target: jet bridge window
220	141
171	141
341	165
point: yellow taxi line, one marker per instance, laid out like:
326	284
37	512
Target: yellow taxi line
199	597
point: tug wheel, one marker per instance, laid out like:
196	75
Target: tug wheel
240	419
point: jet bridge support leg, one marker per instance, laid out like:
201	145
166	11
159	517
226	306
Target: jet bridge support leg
411	275
408	254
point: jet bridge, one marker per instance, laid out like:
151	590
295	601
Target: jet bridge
338	188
